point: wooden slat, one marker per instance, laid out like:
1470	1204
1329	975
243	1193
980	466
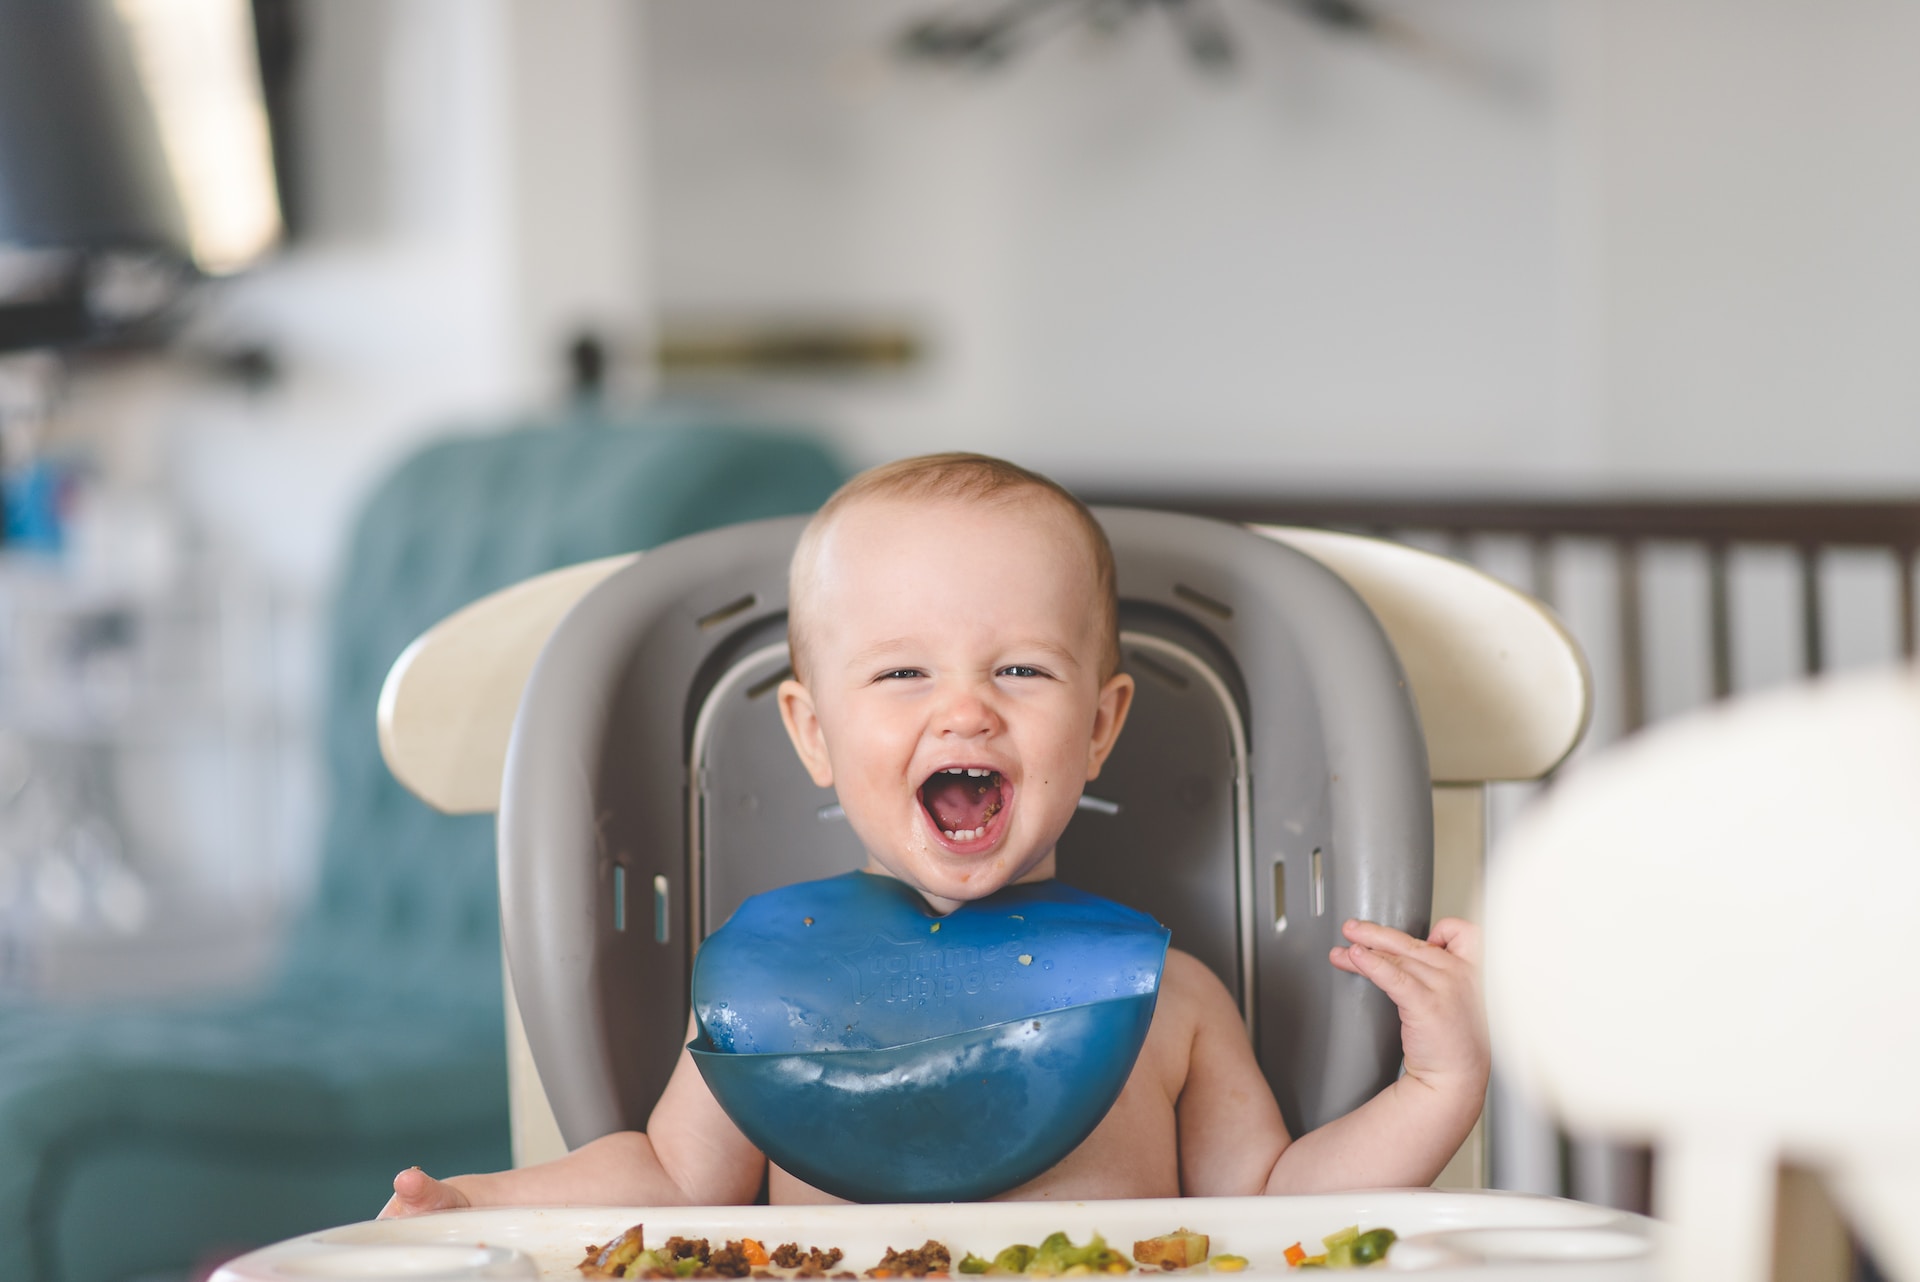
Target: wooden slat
1633	636
1720	620
1903	558
1541	569
1813	658
1840	522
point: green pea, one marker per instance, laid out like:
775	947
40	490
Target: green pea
1372	1245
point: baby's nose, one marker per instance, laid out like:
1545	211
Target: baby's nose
966	713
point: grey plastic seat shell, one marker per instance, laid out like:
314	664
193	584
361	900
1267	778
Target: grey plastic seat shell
1272	783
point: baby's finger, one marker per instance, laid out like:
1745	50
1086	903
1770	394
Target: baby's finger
1383	938
415	1193
1459	937
1388	972
1397	943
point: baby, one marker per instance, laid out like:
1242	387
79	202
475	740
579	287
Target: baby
958	610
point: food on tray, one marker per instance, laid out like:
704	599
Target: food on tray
931	1257
812	1263
1346	1249
613	1259
627	1256
1179	1249
1055	1257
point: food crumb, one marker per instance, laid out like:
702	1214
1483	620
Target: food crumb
806	921
928	1258
1026	959
812	1263
936	928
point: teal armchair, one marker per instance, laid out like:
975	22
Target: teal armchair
136	1141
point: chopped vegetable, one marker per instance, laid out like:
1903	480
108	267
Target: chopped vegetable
1059	1257
1372	1245
1179	1249
1346	1249
1229	1263
971	1263
1014	1259
754	1251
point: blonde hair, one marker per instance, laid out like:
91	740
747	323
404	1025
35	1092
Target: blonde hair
952	477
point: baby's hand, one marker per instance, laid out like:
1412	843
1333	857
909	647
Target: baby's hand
415	1193
1436	984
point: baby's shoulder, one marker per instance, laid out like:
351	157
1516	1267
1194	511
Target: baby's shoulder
1190	989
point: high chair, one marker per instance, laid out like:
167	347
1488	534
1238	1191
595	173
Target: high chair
1317	716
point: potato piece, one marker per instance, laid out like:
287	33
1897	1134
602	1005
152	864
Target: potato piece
1179	1249
611	1260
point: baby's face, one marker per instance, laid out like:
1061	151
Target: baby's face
953	695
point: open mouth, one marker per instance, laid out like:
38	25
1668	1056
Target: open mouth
962	801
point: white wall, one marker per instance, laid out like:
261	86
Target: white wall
1665	242
1755	189
1342	260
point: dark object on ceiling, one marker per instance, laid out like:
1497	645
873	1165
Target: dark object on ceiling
982	36
989	38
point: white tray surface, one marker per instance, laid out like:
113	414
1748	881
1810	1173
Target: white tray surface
1445	1236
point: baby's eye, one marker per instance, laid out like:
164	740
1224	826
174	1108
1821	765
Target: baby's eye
1021	670
897	674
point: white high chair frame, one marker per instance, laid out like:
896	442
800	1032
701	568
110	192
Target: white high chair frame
1502	689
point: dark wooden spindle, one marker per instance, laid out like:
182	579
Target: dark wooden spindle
1720	619
1541	569
1812	652
1903	558
1633	635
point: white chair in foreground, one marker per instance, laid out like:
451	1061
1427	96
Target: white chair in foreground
1703	940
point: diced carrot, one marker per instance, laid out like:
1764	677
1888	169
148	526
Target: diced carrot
1296	1253
753	1250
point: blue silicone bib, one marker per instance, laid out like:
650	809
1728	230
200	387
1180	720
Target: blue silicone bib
858	962
883	1053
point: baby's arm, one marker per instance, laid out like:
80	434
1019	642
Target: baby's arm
690	1155
1402	1136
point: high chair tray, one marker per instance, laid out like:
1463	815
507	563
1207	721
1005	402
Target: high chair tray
1443	1235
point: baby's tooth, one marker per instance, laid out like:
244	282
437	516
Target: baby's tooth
956	770
951	836
977	774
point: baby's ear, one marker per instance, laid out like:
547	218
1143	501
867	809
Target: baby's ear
1109	714
803	727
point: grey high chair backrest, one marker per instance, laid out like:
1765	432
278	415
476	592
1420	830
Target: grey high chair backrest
1271	783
